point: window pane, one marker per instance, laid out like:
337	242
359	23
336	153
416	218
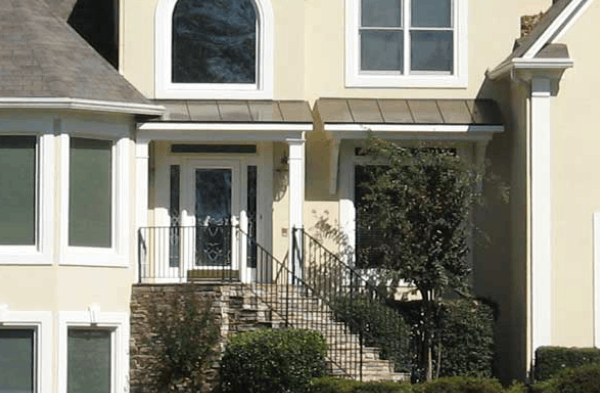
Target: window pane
88	367
16	361
432	51
381	51
381	13
90	193
431	13
214	42
17	190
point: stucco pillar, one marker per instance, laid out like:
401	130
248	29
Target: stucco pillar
541	213
296	200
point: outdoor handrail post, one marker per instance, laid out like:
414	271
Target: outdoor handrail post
140	255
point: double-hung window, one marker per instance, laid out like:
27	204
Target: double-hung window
95	199
26	195
18	188
396	43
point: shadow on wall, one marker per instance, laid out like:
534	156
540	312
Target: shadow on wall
499	270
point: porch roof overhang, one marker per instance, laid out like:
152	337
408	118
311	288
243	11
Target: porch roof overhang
203	120
399	119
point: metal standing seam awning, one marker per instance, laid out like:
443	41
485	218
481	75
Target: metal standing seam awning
206	120
399	119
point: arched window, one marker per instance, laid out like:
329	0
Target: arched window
214	49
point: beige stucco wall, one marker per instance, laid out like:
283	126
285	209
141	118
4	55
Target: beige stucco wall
309	47
575	191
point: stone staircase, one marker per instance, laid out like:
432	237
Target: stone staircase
273	304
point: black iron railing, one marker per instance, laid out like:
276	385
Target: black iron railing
362	304
294	303
187	253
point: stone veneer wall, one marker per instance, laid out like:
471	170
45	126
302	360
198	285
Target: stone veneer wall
234	308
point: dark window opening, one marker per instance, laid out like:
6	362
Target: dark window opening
214	41
213	149
97	21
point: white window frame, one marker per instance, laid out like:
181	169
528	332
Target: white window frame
41	252
117	254
41	323
165	88
385	79
115	322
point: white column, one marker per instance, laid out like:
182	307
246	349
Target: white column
141	170
296	199
541	213
141	187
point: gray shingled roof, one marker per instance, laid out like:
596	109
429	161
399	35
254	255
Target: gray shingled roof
398	111
62	8
41	56
244	111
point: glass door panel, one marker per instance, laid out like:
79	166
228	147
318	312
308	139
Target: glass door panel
213	197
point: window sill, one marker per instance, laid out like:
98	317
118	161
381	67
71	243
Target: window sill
417	81
211	91
23	255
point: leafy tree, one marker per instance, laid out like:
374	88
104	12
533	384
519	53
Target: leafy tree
419	204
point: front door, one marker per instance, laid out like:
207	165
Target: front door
213	210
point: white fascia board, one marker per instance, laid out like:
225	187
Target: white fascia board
413	131
530	64
164	126
555	28
414	128
221	131
81	104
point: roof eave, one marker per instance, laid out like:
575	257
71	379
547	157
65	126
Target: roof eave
536	64
66	103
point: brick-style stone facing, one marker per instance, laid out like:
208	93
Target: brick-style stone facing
234	308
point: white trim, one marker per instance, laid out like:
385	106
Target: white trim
266	127
117	255
554	28
530	64
296	187
596	269
42	252
117	323
541	213
81	104
224	134
354	78
262	89
41	321
573	18
413	128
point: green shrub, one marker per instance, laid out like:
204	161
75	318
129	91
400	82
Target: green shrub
464	336
384	328
272	361
460	385
585	379
551	360
467	338
337	385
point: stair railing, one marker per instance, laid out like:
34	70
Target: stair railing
293	302
360	303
